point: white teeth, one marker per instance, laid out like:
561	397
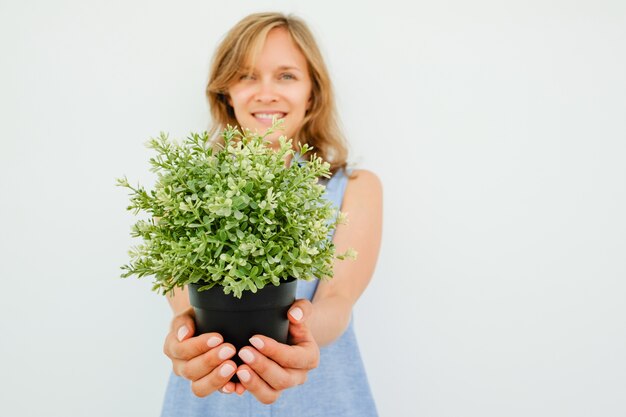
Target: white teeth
269	116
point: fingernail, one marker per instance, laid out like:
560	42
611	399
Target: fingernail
226	352
246	355
225	390
257	343
213	341
296	313
182	332
226	369
244	375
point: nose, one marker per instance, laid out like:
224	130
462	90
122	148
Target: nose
266	92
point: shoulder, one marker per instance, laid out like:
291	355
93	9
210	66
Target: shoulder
363	178
363	186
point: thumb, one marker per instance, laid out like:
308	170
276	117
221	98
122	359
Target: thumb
183	325
299	314
300	311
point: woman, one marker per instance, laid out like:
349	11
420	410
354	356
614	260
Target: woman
267	67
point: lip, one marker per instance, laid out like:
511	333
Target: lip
266	121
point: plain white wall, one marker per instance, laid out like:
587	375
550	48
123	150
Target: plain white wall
497	128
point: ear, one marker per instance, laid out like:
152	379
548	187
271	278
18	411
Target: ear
229	100
309	103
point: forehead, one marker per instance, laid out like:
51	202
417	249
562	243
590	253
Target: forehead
277	50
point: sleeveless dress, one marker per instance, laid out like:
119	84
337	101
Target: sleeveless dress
337	387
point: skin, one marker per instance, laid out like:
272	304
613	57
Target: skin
280	84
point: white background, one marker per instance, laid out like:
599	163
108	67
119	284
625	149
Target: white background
497	128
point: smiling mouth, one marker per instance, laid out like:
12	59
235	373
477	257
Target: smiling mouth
269	116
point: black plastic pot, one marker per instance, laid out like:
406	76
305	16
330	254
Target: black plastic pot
238	319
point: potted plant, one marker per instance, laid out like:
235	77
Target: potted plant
236	226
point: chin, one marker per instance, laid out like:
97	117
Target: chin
274	137
274	144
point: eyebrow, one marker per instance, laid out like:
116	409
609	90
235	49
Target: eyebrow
281	68
287	67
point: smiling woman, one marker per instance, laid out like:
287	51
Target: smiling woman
243	59
267	67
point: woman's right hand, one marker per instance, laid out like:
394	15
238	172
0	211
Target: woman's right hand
204	359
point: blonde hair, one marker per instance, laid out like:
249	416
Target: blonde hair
320	127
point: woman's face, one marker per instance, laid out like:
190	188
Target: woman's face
279	86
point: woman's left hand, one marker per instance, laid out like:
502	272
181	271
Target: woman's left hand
271	367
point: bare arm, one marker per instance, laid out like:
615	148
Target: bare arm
334	299
179	300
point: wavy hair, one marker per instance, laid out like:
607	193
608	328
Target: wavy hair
242	44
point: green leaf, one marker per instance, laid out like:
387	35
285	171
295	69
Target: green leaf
232	214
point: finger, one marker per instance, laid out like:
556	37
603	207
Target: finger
298	315
186	318
256	385
273	374
181	328
202	365
229	388
300	311
191	347
179	365
239	388
215	380
304	355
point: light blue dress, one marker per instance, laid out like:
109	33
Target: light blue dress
337	387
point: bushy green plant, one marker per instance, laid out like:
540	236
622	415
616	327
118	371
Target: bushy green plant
234	216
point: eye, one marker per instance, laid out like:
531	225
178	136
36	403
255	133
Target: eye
287	76
245	77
